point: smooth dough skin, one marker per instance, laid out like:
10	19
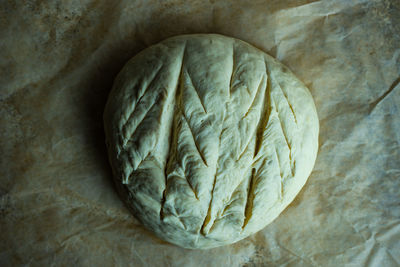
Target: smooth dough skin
209	138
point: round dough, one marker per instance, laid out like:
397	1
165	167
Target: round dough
209	138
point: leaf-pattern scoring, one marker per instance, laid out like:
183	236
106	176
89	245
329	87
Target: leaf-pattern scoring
223	133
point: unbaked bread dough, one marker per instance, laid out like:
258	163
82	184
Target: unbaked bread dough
209	138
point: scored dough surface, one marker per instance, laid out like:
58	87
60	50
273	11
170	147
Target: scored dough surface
209	138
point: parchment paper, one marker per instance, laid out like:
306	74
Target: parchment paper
58	60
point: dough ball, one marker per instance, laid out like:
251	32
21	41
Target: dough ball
209	138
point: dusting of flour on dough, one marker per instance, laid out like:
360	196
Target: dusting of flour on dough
209	138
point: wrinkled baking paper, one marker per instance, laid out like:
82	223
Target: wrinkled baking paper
58	60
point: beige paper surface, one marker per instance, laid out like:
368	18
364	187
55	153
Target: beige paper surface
58	60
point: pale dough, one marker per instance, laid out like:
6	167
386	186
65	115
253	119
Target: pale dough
209	138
